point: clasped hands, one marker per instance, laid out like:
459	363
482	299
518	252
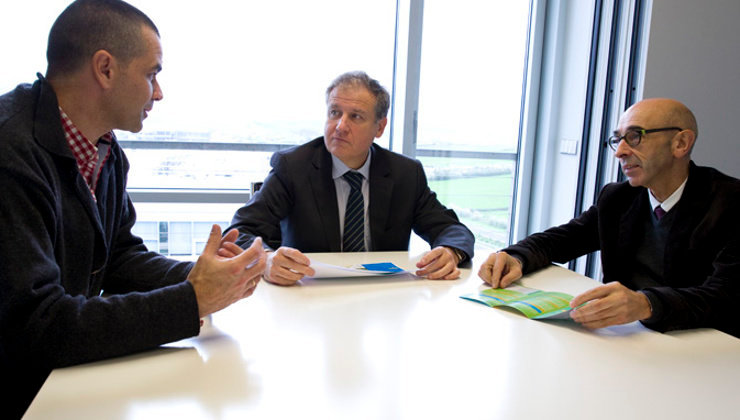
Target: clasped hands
606	305
286	266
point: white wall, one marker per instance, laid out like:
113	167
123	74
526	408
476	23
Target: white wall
694	56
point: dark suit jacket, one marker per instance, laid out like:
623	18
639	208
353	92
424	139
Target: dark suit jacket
701	282
297	205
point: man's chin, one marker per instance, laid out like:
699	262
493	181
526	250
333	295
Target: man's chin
634	182
133	128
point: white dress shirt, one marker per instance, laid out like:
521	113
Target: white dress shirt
669	202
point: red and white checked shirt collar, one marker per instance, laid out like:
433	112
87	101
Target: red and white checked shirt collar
85	152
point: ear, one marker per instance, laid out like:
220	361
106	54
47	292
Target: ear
683	142
381	127
104	68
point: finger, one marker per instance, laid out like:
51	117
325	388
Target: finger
442	267
429	257
231	236
514	273
454	275
279	270
444	257
251	286
601	323
283	277
288	273
434	273
294	255
249	292
214	241
254	271
597	310
486	269
428	270
595	293
295	261
229	250
499	264
252	253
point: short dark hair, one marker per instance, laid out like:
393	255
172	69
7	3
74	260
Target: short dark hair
87	26
360	78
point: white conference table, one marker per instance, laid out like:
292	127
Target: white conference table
404	348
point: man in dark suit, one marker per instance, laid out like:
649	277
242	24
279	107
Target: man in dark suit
668	236
308	204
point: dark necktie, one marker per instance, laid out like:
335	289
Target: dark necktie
354	216
659	212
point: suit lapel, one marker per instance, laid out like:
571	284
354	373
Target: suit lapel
325	196
381	193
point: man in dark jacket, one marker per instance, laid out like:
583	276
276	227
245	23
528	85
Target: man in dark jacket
66	218
342	192
669	237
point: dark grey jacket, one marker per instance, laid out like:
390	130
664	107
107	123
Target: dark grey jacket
59	250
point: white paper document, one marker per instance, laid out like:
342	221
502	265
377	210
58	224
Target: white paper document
363	270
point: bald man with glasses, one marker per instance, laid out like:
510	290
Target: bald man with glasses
668	236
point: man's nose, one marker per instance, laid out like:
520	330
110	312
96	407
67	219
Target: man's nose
342	124
623	149
157	95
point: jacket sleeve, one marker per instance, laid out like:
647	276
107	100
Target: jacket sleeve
559	244
435	223
51	317
132	267
261	216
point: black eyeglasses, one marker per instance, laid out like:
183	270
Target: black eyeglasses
633	137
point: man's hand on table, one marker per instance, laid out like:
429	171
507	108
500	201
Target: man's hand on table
500	270
439	264
286	266
610	304
283	267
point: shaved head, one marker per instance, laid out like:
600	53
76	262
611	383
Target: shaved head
664	112
660	159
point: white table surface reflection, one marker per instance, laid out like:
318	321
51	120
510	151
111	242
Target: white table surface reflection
404	347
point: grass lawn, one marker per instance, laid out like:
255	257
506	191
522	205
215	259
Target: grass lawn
482	203
479	193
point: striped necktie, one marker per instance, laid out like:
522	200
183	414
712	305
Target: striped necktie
354	216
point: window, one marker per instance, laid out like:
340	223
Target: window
243	79
470	92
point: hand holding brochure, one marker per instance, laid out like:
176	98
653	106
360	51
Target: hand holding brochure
535	304
363	270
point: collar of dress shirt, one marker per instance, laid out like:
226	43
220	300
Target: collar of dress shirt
669	202
338	168
86	154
